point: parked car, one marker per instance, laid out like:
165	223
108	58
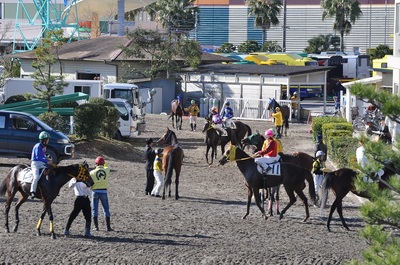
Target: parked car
19	132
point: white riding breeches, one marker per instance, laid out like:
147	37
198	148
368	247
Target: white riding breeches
192	119
36	168
318	178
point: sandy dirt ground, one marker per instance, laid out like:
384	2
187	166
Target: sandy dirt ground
204	226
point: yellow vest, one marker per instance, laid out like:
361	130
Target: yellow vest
158	163
100	177
279	143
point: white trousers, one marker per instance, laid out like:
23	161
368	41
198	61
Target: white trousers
36	167
192	119
317	182
159	182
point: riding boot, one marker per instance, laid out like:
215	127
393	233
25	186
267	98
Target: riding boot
194	127
96	223
277	207
191	126
108	224
87	229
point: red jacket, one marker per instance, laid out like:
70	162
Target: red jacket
270	148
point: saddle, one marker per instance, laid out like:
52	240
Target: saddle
274	171
26	175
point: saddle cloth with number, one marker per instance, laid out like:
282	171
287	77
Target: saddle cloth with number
274	171
25	175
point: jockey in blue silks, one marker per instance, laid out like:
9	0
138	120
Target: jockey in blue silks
227	115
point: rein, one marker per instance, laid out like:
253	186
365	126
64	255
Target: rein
232	155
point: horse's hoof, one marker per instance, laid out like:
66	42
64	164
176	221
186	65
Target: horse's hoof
7	230
38	233
280	216
15	229
305	219
53	235
278	212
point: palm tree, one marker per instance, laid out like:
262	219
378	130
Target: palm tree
265	14
176	15
345	12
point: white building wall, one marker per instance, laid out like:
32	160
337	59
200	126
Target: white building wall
72	68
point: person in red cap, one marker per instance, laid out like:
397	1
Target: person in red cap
100	177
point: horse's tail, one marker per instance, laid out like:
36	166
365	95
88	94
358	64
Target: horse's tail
3	187
170	168
311	188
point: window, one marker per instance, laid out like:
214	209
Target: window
2	122
82	89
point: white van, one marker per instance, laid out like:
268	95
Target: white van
128	121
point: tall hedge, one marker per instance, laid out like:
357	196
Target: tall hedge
110	124
88	120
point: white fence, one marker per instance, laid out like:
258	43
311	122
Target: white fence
253	109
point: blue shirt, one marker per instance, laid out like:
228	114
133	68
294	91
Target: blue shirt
228	113
38	153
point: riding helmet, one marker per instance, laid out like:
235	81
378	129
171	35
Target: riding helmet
215	108
159	151
320	153
273	131
277	108
227	103
44	135
192	101
269	133
100	161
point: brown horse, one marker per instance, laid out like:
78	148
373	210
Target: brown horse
292	177
272	104
176	114
172	160
341	182
49	187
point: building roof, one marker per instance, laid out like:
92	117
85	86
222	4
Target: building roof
106	48
276	70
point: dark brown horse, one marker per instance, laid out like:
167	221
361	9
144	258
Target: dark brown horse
341	182
301	159
48	187
292	177
172	160
272	104
213	139
176	114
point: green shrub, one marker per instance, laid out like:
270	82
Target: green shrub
18	98
88	120
319	121
341	147
56	121
110	124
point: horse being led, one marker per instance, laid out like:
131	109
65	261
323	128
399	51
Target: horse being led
49	187
213	139
292	177
341	182
272	104
176	114
172	160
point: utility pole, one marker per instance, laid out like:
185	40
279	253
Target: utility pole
284	27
